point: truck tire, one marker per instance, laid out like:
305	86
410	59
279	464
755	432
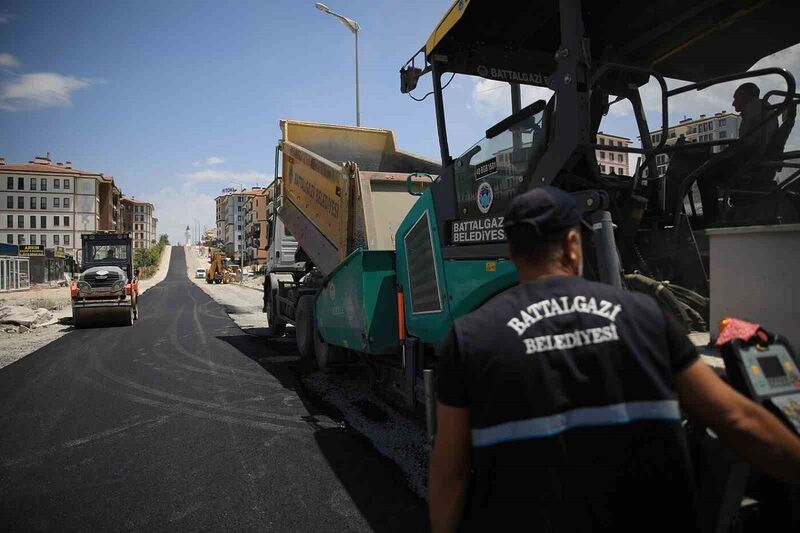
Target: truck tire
305	328
326	354
275	326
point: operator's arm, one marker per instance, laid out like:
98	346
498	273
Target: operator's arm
449	468
755	433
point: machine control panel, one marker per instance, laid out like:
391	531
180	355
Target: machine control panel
767	374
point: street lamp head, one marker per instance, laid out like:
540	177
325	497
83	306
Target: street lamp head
322	7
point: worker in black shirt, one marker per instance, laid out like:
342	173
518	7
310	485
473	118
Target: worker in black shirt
558	400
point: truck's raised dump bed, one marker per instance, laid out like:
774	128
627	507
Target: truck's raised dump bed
345	188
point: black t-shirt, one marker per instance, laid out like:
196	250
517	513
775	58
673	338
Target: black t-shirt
574	414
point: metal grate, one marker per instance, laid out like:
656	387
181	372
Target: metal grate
422	275
107	281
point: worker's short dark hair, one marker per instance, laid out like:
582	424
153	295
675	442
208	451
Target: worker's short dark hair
528	245
750	89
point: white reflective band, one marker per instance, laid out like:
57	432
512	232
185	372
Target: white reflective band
547	426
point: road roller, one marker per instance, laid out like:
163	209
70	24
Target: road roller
107	290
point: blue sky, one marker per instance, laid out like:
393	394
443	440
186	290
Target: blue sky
178	99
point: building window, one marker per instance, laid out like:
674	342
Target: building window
43	181
33	222
10	221
33	184
56	221
619	157
10	238
66	203
722	122
56	202
33	202
56	240
20	202
43	222
603	168
621	170
602	155
43	202
20	239
43	240
66	185
723	134
66	221
10	202
33	238
10	183
21	184
20	221
66	239
56	183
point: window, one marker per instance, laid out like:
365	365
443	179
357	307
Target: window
66	221
33	202
21	184
44	184
66	203
56	202
33	184
33	238
722	122
20	239
10	183
56	240
56	183
66	239
33	222
43	222
9	221
723	134
621	170
602	168
602	155
56	221
43	240
20	221
619	157
10	238
43	202
20	202
66	185
10	202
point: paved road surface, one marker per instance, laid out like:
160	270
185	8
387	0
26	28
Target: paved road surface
182	422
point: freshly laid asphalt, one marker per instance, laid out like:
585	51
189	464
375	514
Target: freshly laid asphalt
182	422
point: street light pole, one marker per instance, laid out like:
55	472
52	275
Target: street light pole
353	26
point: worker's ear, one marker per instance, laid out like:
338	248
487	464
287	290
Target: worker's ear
573	253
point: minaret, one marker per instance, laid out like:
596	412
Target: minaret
188	236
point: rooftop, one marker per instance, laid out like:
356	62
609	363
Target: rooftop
43	165
613	136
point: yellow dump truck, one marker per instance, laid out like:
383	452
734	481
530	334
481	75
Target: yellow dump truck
343	193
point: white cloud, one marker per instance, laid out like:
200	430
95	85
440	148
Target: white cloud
492	99
209	175
28	92
209	161
8	60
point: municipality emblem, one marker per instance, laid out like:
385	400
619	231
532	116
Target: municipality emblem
485	197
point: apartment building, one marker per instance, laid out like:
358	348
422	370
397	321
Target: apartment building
611	162
230	220
722	125
52	204
138	220
255	227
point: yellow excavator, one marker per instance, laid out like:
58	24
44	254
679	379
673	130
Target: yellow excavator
218	271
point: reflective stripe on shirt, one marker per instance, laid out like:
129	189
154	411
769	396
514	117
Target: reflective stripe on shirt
547	426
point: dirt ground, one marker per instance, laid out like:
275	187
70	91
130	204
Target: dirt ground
17	344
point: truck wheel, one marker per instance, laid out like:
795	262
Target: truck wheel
304	326
326	354
275	326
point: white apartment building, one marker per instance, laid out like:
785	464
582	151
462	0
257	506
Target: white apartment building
722	125
230	220
52	205
611	162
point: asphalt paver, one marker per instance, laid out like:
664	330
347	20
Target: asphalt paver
182	422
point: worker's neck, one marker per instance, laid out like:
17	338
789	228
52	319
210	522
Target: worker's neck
529	272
